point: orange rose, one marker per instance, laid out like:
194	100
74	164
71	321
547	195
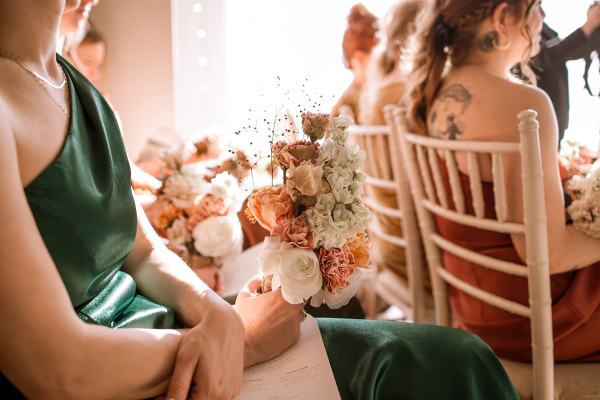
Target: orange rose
269	205
359	247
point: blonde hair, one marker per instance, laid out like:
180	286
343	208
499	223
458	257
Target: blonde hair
398	26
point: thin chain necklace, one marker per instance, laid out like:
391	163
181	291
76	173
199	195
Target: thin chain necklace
41	80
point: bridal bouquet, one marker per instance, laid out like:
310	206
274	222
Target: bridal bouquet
196	212
316	219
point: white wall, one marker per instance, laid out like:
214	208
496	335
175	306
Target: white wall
138	74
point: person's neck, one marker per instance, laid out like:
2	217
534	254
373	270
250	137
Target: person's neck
29	30
496	63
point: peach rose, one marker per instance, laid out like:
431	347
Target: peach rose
295	231
295	153
337	266
208	206
161	214
306	178
268	206
315	125
359	247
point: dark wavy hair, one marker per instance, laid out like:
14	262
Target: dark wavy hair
446	34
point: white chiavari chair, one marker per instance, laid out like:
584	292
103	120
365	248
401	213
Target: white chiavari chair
541	380
385	173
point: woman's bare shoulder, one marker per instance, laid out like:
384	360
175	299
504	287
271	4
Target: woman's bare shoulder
480	107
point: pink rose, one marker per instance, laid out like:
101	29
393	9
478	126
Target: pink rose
295	231
315	125
269	206
209	206
337	266
295	153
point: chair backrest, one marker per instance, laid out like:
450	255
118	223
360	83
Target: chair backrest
422	155
385	171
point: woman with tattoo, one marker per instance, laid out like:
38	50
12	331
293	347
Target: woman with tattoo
461	89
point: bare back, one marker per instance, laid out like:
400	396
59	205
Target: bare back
476	106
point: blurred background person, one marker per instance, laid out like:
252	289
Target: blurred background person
550	64
385	81
387	69
91	53
359	39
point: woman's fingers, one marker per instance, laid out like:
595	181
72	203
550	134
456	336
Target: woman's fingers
251	286
185	366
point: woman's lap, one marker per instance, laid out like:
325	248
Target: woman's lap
394	360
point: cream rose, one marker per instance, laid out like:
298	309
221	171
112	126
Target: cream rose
295	270
218	236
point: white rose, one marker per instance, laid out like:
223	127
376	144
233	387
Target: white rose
218	236
295	270
177	233
342	297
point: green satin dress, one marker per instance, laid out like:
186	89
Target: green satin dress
83	207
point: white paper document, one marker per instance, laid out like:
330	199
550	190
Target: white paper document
301	373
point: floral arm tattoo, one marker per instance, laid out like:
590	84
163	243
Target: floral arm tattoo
454	99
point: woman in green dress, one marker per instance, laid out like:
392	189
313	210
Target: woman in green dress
79	265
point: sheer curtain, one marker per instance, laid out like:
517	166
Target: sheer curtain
237	60
249	57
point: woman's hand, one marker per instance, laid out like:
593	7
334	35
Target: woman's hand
272	324
209	363
593	19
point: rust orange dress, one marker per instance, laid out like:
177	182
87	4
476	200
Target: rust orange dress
575	294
